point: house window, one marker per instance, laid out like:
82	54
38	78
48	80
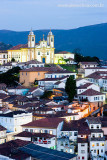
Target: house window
41	131
31	130
47	53
45	131
101	150
82	151
82	145
26	130
75	133
82	157
51	132
94	151
97	126
92	127
102	144
36	131
38	73
99	135
71	150
26	73
70	134
93	135
93	144
97	144
38	53
22	73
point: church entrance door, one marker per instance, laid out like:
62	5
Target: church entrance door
43	60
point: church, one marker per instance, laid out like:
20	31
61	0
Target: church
42	51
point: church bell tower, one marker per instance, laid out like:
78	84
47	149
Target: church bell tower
50	39
31	40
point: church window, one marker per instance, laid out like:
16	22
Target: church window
51	39
38	53
47	53
32	38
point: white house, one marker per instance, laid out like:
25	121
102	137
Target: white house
86	86
13	120
88	64
81	81
35	92
59	74
45	125
97	139
49	83
41	139
92	96
89	71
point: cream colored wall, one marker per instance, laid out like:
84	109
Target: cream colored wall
30	77
65	56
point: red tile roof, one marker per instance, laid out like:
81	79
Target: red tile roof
17	47
40	69
3	51
3	96
97	75
29	134
83	63
84	86
91	92
14	143
62	52
44	123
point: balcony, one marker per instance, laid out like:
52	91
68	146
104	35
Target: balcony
42	142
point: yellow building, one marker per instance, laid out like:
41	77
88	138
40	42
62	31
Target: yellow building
63	55
43	51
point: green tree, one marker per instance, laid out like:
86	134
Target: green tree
12	60
70	88
47	94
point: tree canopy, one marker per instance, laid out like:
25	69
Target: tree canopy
70	88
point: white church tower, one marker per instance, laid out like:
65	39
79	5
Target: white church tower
50	39
31	40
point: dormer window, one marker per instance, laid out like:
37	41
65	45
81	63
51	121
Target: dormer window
98	127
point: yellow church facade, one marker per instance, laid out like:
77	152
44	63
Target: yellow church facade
43	51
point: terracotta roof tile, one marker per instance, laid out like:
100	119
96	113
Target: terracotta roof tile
45	122
91	92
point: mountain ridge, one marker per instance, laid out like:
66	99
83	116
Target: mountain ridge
91	40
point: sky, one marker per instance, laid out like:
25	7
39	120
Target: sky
22	15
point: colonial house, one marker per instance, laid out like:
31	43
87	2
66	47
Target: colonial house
88	64
45	125
86	86
13	120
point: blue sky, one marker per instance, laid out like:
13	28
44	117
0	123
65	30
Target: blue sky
21	15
